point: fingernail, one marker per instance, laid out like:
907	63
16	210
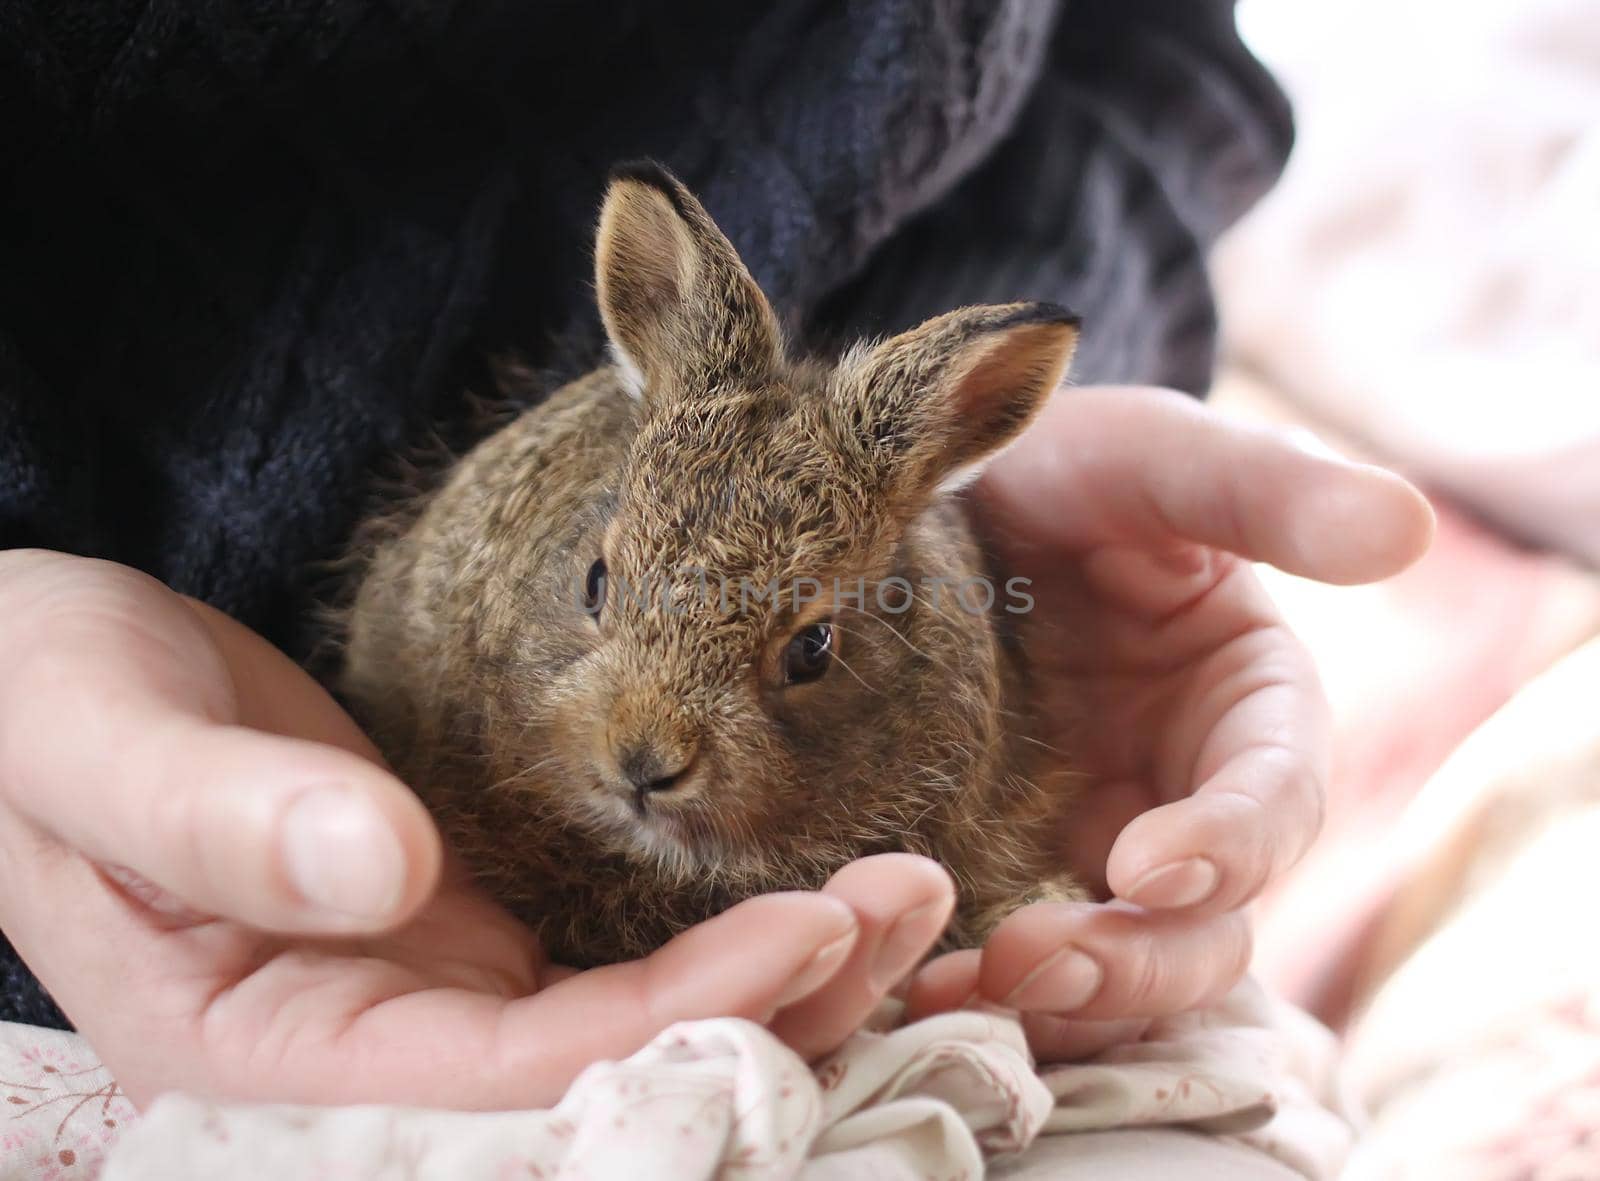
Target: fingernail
1183	883
1066	981
341	856
905	943
818	970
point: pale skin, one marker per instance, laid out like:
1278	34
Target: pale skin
152	752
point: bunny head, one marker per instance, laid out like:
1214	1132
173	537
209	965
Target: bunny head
763	641
710	607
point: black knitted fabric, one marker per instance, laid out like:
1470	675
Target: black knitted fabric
249	247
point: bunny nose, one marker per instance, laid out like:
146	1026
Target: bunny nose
650	768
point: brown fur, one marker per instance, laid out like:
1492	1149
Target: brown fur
512	711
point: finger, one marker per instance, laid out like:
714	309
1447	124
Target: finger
1247	752
747	962
120	741
450	1047
1155	585
1152	467
238	1015
902	904
1062	1039
944	983
950	982
1110	962
1218	849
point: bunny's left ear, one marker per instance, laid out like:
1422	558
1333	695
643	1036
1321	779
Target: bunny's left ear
679	306
931	405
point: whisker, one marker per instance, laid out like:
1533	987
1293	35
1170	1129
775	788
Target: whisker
840	660
527	772
897	634
1016	715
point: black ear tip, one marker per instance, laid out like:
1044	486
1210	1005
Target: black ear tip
654	175
1045	312
645	172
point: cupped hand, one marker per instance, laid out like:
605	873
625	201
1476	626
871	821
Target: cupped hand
207	865
1194	712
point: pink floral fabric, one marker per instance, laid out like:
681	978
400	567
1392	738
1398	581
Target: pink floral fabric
62	1109
932	1101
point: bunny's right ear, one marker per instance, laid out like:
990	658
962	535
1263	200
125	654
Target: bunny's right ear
681	310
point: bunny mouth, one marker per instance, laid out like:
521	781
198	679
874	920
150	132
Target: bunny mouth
658	824
663	818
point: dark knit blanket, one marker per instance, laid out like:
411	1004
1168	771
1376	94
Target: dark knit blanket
248	248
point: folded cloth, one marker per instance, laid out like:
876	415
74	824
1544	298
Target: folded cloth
933	1099
1478	1053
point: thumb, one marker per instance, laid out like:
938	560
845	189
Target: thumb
127	732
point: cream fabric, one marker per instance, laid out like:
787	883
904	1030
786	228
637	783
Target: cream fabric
934	1099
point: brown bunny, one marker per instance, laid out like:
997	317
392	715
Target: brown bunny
709	622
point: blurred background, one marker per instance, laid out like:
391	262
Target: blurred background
1423	290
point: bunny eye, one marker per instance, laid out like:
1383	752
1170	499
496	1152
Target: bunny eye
594	589
809	653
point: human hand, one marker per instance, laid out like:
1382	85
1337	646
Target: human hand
204	861
1196	714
